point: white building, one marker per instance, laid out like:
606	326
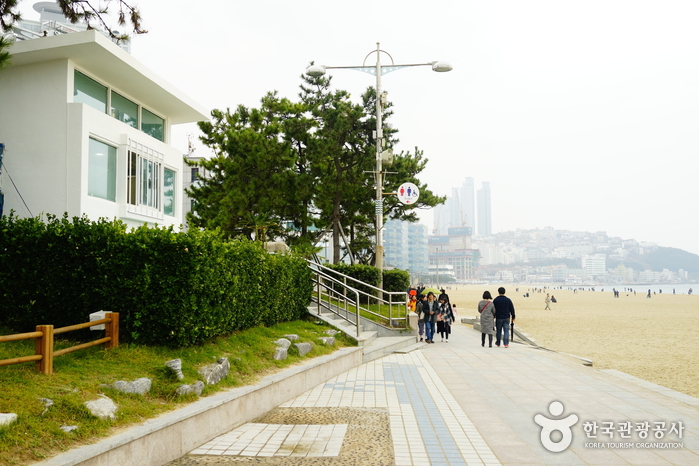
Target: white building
594	264
87	131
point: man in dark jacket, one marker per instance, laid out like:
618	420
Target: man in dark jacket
503	310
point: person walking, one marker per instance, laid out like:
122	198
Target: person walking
503	310
548	302
445	319
487	312
420	315
431	309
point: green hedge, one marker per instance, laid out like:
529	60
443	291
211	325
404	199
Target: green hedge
393	280
170	288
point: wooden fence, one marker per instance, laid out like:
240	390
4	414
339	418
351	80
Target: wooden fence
44	352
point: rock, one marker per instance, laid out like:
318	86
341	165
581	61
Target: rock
214	373
7	418
332	333
196	388
330	341
68	428
304	348
138	386
291	337
176	366
103	408
47	404
281	353
283	342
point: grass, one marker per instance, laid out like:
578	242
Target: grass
379	312
80	376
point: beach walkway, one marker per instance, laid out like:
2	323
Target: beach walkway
458	403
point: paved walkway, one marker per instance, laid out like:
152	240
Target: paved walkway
457	403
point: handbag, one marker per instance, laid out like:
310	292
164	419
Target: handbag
439	317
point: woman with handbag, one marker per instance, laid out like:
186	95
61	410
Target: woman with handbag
487	312
444	318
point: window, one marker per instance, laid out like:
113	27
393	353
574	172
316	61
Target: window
88	91
101	171
152	124
169	192
124	110
144	184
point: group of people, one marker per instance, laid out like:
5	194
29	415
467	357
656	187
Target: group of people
495	318
435	315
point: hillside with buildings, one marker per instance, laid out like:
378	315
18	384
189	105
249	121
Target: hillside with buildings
564	256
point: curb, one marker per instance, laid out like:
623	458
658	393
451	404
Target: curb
174	434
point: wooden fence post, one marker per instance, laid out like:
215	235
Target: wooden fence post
112	330
44	347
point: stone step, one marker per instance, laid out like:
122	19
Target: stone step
386	345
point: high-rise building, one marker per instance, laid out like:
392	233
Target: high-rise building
485	226
467	201
405	246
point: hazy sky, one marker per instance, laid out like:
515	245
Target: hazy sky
582	115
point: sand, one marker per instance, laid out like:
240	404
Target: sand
653	339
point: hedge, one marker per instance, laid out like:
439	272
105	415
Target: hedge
170	288
393	280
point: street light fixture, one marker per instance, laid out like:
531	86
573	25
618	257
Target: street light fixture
378	70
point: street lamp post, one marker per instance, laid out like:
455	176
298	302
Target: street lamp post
378	70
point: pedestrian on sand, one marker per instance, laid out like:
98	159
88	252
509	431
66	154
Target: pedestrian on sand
420	315
487	312
443	295
503	310
547	301
431	309
445	319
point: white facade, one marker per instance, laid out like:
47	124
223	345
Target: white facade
485	222
50	138
595	264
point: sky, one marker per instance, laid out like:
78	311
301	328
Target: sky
582	115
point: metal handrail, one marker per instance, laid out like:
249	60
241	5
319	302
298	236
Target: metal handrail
324	271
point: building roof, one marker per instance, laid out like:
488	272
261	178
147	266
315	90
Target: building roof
105	61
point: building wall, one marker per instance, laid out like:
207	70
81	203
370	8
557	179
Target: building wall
47	139
485	227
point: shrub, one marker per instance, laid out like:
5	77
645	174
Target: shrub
171	288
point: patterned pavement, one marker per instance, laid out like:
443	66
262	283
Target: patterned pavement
457	403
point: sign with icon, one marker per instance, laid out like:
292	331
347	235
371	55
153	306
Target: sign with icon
408	193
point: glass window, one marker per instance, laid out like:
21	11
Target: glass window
152	124
143	185
124	110
101	171
88	91
169	192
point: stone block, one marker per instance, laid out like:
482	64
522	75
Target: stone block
280	354
103	408
214	373
196	388
7	418
283	342
68	428
138	386
291	337
304	348
175	365
330	341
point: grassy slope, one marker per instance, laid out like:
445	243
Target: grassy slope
79	377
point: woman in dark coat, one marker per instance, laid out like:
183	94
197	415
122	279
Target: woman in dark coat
446	317
487	312
431	309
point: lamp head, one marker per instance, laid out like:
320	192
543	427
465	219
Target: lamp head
441	66
315	71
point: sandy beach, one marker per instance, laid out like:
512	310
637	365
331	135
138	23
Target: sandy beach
653	339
